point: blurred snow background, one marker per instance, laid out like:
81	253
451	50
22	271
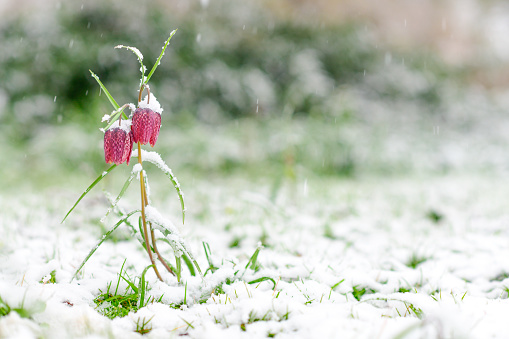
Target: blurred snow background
334	88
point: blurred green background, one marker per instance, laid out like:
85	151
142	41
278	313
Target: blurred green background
284	90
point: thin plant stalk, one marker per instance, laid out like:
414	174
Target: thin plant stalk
159	256
144	220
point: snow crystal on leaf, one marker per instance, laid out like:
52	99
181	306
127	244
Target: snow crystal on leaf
137	168
153	104
105	117
133	49
154	216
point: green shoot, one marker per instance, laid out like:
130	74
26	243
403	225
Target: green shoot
160	57
141	328
108	95
263	279
142	287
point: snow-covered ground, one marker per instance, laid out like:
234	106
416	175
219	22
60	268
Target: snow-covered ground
408	257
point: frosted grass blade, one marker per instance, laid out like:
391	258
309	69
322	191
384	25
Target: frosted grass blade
160	57
96	181
156	159
140	59
177	243
101	241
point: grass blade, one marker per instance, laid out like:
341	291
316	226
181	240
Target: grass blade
96	181
119	276
108	95
263	279
160	57
101	241
208	254
178	266
189	265
253	259
142	287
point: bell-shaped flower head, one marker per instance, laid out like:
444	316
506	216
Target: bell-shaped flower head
118	143
147	121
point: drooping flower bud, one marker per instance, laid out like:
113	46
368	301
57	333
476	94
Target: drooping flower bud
118	143
147	121
146	125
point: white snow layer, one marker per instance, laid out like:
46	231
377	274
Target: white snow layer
359	259
124	125
152	104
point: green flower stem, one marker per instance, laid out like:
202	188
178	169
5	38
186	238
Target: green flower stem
144	220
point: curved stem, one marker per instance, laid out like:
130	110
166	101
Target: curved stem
159	256
140	93
143	218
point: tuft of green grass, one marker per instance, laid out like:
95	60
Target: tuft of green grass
435	216
141	326
359	291
49	280
415	260
112	304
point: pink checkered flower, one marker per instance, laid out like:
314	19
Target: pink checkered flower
146	125
118	143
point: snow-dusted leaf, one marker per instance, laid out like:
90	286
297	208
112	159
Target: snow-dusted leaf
156	159
171	233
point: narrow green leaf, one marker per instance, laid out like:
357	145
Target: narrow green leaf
185	295
263	279
119	276
208	253
108	95
101	241
253	259
142	287
189	265
131	284
178	266
160	57
96	181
